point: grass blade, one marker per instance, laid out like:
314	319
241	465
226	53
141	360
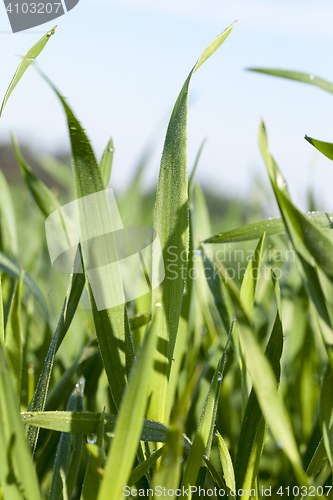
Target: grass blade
308	241
37	403
270	401
68	455
8	235
12	268
250	436
326	148
87	423
195	166
139	471
226	463
2	322
220	293
139	320
92	477
105	165
111	325
17	474
273	227
326	411
298	77
249	283
44	198
14	336
172	226
168	474
129	423
204	434
28	59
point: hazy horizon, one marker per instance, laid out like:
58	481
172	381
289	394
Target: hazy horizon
122	65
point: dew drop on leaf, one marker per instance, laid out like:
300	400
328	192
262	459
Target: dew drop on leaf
91	438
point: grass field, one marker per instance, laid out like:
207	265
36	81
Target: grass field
215	383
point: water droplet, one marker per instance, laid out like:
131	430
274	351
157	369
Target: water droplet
198	252
312	77
234	319
158	304
91	438
111	150
219	378
172	360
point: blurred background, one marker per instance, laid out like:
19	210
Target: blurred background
121	65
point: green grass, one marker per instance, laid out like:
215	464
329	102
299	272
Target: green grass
221	377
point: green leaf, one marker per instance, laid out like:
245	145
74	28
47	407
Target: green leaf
169	472
172	225
17	474
111	325
190	306
139	471
265	386
220	293
249	283
139	320
67	460
316	242
308	241
253	430
8	236
196	163
28	59
317	461
326	148
105	165
270	400
204	434
14	335
2	321
298	77
59	170
87	423
12	268
226	463
37	404
44	198
326	411
273	227
129	423
93	478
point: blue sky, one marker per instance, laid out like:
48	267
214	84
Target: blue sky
122	63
